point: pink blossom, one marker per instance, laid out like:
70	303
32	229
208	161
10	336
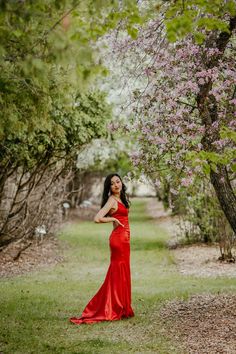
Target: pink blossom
222	179
220	143
215	124
202	73
230	72
201	81
185	182
212	51
170	121
190	173
191	126
232	124
182	141
191	86
113	126
160	140
172	104
233	101
201	129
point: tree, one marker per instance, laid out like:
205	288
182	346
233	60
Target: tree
49	108
32	193
185	105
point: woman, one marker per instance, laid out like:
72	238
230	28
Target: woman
113	299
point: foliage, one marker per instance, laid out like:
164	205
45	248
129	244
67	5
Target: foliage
199	212
198	17
69	130
48	58
181	71
184	107
107	154
169	125
47	63
32	194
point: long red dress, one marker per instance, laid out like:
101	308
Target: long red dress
113	299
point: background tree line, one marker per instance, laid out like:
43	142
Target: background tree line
183	107
51	106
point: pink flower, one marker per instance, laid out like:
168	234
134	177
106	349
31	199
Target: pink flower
232	124
220	143
201	129
201	81
113	126
233	101
159	140
185	182
191	126
222	180
182	141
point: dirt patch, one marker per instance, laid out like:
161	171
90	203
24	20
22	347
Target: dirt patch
205	324
202	261
199	260
45	254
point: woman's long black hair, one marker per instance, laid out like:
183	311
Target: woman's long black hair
107	191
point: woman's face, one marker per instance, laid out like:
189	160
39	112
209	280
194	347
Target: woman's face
116	185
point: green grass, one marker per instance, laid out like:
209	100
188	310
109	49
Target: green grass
35	308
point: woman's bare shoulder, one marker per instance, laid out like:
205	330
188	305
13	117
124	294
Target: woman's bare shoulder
111	200
112	203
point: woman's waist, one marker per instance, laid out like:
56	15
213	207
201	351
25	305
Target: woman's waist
122	219
124	225
124	228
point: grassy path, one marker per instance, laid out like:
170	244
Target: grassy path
34	308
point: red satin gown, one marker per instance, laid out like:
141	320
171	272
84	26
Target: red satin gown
113	299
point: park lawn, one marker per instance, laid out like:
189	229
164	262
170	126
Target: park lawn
35	308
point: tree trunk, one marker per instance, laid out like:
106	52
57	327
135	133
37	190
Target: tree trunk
225	194
208	111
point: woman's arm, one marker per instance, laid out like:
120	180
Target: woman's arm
100	216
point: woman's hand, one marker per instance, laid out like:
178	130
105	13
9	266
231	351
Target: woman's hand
101	215
117	222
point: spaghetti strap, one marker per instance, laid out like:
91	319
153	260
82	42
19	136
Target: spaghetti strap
117	200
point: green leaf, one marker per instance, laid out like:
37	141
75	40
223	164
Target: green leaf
199	37
233	167
213	166
133	32
226	132
206	169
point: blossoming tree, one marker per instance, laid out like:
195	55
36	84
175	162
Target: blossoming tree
184	109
